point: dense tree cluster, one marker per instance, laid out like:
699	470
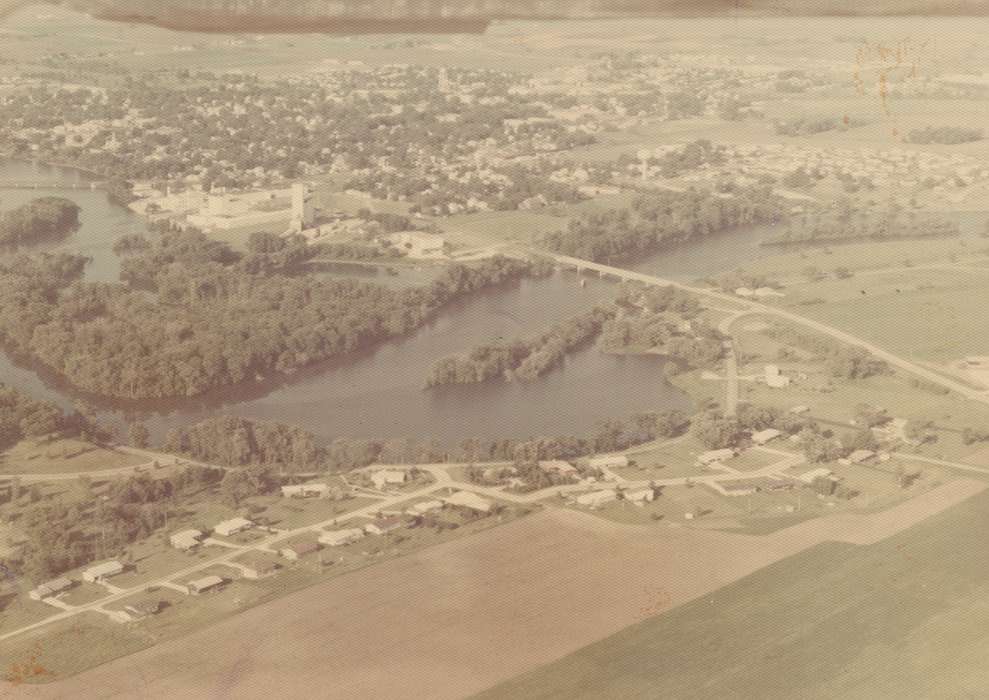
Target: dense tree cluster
842	222
716	430
40	218
523	360
661	220
64	533
841	361
23	417
194	316
947	135
688	157
808	126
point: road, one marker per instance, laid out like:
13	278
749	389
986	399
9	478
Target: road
156	460
442	479
757	307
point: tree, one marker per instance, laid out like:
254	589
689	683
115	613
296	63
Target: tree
715	430
818	447
671	423
138	435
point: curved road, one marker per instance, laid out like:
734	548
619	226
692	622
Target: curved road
756	307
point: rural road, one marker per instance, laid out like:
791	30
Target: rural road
755	307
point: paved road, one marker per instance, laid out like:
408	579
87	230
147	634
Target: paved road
756	307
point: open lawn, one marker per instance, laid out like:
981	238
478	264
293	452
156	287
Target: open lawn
62	457
521	583
293	513
669	460
904	617
17	610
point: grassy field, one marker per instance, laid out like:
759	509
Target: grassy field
63	456
901	618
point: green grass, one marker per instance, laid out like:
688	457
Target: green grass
902	618
63	456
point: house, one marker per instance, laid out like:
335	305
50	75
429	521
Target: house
800	410
255	566
306	491
143	608
186	539
775	378
763	436
335	538
102	571
384	477
557	465
233	526
595	499
424	507
297	550
640	495
51	588
202	585
607	461
712	456
861	456
466	499
810	476
383	526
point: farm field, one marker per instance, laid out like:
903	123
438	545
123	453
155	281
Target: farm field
833	621
521	582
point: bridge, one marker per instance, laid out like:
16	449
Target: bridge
747	306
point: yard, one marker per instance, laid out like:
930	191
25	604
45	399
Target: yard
63	456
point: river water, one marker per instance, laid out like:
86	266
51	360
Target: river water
379	393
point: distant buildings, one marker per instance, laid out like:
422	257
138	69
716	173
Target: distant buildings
204	584
233	526
51	588
469	500
297	550
558	466
383	526
98	573
336	538
761	437
385	477
306	491
186	539
775	378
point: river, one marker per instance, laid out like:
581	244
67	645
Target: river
379	393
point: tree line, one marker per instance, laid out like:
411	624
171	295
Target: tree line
661	220
40	218
523	360
192	315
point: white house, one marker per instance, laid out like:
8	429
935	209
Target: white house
383	526
640	495
186	539
233	526
466	499
336	538
861	456
597	498
201	585
384	477
557	465
607	461
50	588
775	378
820	472
305	490
102	571
712	456
763	436
424	507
